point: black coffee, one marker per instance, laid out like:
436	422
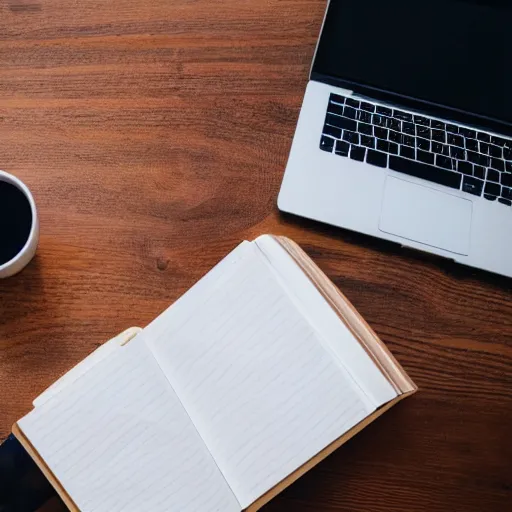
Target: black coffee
15	221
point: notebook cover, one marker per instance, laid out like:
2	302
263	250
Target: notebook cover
349	315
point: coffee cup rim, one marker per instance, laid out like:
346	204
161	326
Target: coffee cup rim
13	180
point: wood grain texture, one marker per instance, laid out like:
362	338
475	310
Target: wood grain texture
154	136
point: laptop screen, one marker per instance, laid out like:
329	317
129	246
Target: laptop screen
453	53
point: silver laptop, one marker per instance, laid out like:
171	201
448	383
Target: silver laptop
405	130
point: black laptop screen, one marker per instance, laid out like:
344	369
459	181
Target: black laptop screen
453	53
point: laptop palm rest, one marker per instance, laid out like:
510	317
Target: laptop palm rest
425	215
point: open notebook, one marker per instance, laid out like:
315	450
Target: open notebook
257	373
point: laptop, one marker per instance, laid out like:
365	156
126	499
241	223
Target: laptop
405	131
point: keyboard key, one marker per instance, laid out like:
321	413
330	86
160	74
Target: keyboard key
468	133
341	122
368	141
378	120
368	107
394	124
438	136
326	144
396	137
332	131
426	172
409	141
342	148
425	157
508	166
479	172
495	151
383	145
425	121
472	145
484	137
489	197
380	133
507	154
438	125
407	152
452	128
335	109
445	162
505	201
465	168
351	137
493	175
456	140
423	144
357	153
498	164
350	112
492	189
377	158
337	99
458	153
440	149
472	185
506	179
423	131
478	159
408	128
385	111
506	192
403	116
351	102
366	129
485	148
393	148
498	141
364	116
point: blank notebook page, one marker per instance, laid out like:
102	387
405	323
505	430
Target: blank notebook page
254	376
118	439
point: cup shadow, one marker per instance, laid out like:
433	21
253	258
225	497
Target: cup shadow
21	294
26	321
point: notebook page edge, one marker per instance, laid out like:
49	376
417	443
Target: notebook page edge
343	345
287	273
369	340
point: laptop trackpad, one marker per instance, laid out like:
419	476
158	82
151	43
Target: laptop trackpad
426	215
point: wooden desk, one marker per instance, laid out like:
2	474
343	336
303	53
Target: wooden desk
154	136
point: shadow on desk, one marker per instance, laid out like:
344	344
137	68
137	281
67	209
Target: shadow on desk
449	267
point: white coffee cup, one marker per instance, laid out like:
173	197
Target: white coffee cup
25	255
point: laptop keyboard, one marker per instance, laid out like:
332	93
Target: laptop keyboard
461	158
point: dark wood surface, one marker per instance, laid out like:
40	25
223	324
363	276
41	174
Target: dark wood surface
154	136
